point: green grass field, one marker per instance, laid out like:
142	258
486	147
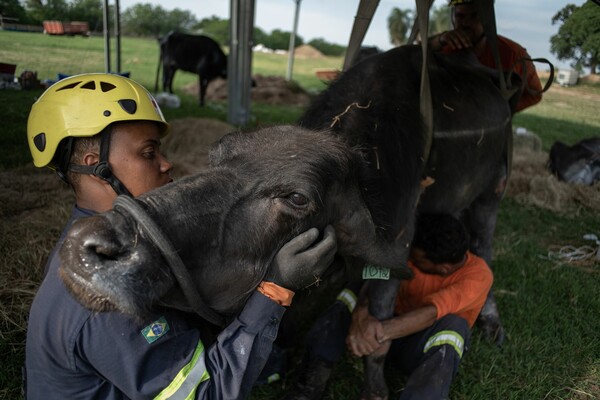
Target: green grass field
550	309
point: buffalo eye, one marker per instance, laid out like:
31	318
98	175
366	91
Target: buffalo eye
298	200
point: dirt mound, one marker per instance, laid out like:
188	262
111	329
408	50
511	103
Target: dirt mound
307	51
272	90
188	143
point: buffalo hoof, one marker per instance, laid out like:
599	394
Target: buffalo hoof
489	322
312	381
492	330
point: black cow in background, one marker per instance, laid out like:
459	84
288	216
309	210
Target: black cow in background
191	53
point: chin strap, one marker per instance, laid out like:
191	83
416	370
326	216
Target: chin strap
102	170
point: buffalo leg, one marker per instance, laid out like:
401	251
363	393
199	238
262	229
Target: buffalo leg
382	295
168	75
481	222
202	85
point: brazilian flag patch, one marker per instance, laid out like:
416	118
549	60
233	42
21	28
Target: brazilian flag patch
155	330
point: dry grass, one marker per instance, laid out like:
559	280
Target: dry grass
531	183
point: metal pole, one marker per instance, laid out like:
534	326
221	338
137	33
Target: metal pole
106	37
118	35
292	52
239	61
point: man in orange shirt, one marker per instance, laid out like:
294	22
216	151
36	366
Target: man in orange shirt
434	314
468	34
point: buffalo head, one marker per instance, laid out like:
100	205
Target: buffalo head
227	223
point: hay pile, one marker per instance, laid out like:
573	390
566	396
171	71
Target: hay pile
272	90
188	145
531	183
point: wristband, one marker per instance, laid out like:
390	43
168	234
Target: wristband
278	294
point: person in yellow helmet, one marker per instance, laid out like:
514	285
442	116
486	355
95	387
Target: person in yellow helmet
101	133
468	34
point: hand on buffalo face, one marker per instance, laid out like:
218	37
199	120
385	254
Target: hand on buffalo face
301	261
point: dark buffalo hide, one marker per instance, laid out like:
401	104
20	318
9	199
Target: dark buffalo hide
197	54
226	223
579	163
375	106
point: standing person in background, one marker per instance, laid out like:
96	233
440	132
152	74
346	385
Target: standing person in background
468	33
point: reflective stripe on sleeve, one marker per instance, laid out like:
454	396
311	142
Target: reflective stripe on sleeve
347	297
185	384
451	338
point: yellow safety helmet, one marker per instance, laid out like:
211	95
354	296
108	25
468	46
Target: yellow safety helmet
82	106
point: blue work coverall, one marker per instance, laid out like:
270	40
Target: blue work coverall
74	353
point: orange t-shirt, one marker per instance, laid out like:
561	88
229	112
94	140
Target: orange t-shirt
511	53
462	293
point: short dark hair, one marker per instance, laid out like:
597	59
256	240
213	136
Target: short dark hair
442	237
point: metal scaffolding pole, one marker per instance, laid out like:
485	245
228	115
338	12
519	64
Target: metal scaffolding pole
291	52
239	61
107	66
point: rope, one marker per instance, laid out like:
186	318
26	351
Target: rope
166	248
572	253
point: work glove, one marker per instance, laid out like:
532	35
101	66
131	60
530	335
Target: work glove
301	261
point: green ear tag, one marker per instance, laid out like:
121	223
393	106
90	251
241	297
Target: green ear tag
375	272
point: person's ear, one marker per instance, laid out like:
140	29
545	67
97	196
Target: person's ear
92	158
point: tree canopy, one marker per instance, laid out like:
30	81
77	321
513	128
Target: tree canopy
578	38
399	22
149	20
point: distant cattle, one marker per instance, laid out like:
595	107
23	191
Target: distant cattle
191	53
579	163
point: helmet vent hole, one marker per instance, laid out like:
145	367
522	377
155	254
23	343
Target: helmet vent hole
91	85
106	87
40	141
69	86
130	106
106	113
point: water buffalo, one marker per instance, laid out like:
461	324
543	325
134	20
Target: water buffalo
227	223
192	53
579	163
375	105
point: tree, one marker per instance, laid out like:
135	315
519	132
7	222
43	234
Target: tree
39	10
149	20
328	49
89	11
216	28
398	23
179	19
439	20
578	37
280	40
14	9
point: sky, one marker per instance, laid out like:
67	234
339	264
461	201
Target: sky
528	22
